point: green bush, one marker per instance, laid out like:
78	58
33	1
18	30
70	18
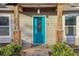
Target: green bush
17	49
62	49
7	51
10	50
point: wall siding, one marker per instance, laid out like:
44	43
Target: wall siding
26	27
77	31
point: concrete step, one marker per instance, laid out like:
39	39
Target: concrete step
35	51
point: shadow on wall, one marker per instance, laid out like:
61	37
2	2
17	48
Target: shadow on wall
28	26
26	44
26	30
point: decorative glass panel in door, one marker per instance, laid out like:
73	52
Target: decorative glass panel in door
39	30
70	29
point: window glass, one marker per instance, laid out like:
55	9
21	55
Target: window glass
70	20
4	26
70	31
70	25
4	21
4	31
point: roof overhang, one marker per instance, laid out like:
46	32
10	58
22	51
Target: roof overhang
43	6
30	6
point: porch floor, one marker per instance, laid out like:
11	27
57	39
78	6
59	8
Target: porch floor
35	51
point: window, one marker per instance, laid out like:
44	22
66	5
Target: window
4	26
70	25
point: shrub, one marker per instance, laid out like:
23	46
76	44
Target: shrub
10	50
62	49
7	51
17	49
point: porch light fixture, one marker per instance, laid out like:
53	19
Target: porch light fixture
38	11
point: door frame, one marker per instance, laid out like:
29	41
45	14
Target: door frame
33	28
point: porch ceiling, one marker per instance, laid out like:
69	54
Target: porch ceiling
45	7
34	9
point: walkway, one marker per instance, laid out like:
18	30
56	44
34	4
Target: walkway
35	51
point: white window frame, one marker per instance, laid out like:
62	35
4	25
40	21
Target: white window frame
65	26
7	36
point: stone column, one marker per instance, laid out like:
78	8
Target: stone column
59	22
17	32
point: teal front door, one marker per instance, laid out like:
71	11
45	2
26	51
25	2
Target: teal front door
39	30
